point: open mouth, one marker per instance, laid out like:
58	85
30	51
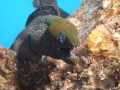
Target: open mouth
67	52
69	57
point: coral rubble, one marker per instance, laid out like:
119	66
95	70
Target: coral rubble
99	30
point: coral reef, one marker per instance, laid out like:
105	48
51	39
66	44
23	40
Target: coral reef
8	69
98	25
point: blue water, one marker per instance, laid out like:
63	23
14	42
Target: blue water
14	13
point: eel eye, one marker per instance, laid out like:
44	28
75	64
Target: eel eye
62	38
78	37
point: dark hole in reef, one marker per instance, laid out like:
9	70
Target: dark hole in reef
116	84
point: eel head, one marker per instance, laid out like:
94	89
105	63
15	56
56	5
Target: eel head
64	36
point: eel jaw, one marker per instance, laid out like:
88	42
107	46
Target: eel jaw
68	56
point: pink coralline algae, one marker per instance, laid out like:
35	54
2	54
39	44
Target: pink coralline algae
99	68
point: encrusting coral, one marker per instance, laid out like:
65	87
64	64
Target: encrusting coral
98	28
98	25
8	69
101	41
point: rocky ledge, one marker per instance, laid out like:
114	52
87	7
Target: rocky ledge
98	25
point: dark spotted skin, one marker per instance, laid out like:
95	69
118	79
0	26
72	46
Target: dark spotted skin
41	37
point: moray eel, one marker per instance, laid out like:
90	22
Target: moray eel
47	34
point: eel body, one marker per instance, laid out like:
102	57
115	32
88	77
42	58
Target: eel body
48	35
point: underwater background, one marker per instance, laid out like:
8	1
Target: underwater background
14	13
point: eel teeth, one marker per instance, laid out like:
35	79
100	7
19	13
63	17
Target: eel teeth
73	55
68	54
